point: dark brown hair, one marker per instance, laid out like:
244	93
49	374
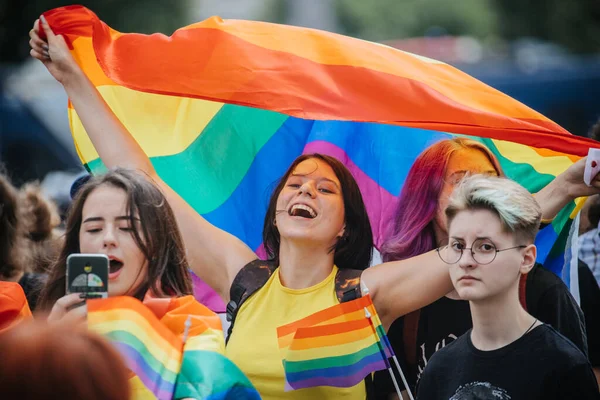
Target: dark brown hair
355	248
594	212
40	218
11	231
158	237
60	361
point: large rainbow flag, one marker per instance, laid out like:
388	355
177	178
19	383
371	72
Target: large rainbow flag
222	107
174	348
337	346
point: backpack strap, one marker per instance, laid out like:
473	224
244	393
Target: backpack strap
347	284
410	329
248	280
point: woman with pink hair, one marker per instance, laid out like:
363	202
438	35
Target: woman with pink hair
419	225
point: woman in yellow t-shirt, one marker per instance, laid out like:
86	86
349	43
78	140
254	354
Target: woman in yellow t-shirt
316	223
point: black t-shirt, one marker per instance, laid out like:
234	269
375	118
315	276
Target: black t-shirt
548	299
589	293
542	364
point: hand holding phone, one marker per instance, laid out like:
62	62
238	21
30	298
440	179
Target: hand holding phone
88	274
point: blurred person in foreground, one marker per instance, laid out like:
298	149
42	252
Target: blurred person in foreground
59	361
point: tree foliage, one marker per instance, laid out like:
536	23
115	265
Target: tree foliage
391	19
574	24
144	16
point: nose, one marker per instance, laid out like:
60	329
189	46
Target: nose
308	189
466	260
109	239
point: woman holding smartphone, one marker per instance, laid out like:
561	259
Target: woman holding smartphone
124	216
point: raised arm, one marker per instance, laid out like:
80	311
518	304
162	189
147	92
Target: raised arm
213	254
400	287
565	188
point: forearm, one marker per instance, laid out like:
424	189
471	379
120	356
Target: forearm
113	142
553	197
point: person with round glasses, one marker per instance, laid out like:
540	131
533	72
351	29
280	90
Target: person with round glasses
419	226
508	354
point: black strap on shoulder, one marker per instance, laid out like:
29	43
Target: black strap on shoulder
249	279
347	284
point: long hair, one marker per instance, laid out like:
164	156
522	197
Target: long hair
411	232
355	248
60	361
11	232
158	238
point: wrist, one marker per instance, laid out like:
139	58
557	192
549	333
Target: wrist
73	77
561	188
552	198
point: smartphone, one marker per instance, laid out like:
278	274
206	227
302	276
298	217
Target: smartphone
88	273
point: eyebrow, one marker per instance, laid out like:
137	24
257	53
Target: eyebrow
321	179
121	218
489	171
477	238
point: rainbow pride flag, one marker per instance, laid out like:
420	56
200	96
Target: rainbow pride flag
222	107
337	346
173	347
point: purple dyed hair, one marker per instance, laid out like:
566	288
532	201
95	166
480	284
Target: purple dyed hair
411	232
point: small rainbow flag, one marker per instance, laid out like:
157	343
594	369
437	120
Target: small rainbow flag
229	126
177	353
337	346
13	305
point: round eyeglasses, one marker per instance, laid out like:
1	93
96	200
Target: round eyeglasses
483	251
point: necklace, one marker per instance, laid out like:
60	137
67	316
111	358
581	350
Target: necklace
529	329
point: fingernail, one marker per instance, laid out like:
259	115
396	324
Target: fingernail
82	295
46	54
45	47
43	19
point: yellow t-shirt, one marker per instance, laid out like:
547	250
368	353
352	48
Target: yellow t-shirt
253	343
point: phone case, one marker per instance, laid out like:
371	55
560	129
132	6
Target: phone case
88	273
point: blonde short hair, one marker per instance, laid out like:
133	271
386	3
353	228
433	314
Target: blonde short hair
518	211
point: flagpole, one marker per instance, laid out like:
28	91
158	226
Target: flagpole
365	291
385	358
402	376
389	345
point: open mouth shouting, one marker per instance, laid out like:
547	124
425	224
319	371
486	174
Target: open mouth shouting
115	267
303	211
